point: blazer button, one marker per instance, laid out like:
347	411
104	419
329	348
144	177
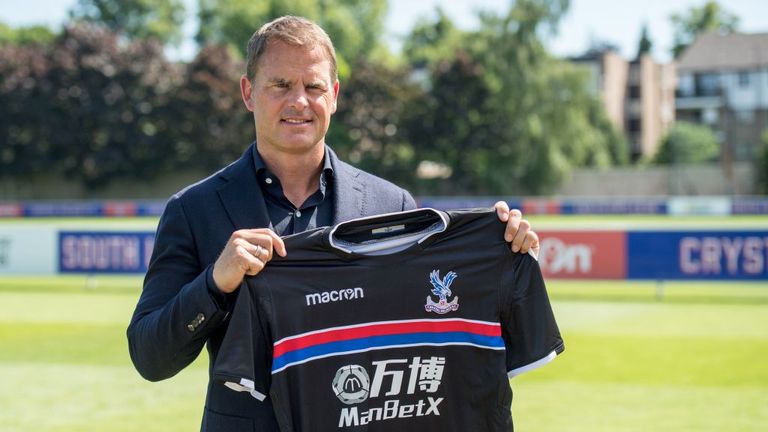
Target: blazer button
190	327
200	318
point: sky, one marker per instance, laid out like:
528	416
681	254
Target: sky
588	21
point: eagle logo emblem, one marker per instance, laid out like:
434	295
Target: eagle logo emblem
442	289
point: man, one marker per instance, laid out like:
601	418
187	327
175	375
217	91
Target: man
227	226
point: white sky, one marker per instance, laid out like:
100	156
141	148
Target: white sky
613	21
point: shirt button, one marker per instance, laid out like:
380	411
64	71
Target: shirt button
298	213
268	180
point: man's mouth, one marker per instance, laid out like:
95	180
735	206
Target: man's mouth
296	121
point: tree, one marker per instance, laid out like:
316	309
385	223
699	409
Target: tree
368	128
136	19
355	26
506	116
105	107
645	44
710	17
25	92
431	42
211	125
28	35
451	126
687	143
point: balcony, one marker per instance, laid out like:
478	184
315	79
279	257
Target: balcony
702	97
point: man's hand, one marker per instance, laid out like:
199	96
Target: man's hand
518	231
246	253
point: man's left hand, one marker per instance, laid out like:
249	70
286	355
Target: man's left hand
518	232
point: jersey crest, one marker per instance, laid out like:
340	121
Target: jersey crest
442	289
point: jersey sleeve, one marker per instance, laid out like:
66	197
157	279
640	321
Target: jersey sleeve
243	361
531	336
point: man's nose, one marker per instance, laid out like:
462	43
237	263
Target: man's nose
299	99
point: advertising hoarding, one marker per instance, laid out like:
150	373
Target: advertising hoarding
583	254
698	255
105	252
27	250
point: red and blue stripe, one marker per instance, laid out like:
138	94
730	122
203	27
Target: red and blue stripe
336	341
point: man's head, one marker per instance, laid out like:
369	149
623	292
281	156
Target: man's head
291	87
292	30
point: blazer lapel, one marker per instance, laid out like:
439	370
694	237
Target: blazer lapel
241	195
348	192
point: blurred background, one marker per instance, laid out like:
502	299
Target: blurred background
633	134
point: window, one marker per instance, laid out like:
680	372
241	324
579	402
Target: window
708	84
743	78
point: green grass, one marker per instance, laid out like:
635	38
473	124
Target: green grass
64	363
652	365
692	359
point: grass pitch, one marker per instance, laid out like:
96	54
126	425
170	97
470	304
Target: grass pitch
690	359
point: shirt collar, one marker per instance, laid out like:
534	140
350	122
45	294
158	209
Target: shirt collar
325	176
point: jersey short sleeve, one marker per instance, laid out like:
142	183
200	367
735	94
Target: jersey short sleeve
244	366
529	330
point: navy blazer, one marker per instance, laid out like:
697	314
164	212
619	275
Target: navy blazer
177	315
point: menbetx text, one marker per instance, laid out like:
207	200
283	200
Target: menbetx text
334	296
391	409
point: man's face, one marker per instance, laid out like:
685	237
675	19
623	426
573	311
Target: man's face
292	98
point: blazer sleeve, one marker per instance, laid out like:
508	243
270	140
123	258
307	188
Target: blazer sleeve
177	310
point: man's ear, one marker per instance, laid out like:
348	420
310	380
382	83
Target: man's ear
335	95
246	89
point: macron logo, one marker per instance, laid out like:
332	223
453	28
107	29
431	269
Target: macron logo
334	296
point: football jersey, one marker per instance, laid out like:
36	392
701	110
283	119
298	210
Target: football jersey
410	321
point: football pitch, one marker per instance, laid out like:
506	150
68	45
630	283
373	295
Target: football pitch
639	356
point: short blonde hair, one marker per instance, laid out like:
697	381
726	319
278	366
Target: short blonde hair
292	30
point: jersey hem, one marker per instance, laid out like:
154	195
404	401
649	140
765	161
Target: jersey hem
535	365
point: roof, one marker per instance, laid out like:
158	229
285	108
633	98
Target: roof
734	51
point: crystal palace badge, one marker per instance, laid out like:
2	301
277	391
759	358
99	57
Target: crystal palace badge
442	289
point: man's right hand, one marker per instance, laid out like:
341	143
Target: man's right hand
246	253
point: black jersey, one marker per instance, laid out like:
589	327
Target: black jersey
410	321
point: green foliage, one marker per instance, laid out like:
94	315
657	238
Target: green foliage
491	109
93	108
505	116
138	19
355	26
367	128
687	143
29	35
210	125
431	42
710	17
645	44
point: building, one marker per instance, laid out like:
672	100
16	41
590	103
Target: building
638	95
723	83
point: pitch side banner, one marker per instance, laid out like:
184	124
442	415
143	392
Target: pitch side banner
583	254
698	255
105	252
27	250
702	255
